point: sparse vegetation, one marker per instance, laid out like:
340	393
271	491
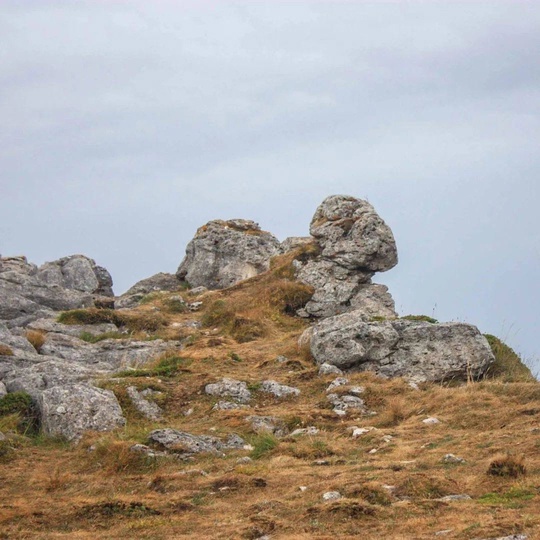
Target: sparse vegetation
96	338
19	408
36	338
132	321
420	318
263	444
507	465
508	364
167	366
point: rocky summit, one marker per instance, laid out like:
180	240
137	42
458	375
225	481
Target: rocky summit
266	387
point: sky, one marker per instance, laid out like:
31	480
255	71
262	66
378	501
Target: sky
126	125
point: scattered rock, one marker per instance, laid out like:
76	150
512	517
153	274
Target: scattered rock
268	424
3	390
358	432
339	381
431	421
311	430
232	388
196	291
279	390
149	409
187	444
331	496
451	498
329	369
450	458
345	402
227	406
223	253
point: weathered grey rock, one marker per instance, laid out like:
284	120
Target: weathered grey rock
457	497
402	348
329	369
310	430
77	272
336	383
196	291
147	408
342	403
331	496
231	388
279	390
68	411
353	235
451	458
156	283
227	406
268	424
3	390
223	253
354	243
188	444
295	242
28	292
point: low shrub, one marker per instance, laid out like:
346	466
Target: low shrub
263	445
508	466
20	405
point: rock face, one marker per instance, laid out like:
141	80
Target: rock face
402	348
223	253
188	444
71	410
353	243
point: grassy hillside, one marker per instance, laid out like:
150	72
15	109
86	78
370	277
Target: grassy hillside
393	479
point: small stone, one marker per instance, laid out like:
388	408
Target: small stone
311	430
431	421
282	359
450	458
329	369
459	497
279	390
244	460
358	432
373	451
339	381
303	488
227	406
442	533
188	412
197	290
195	306
331	496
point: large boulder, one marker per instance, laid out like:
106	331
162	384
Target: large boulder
350	244
402	348
353	235
223	253
28	292
68	411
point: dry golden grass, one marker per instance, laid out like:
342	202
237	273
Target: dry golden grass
36	338
391	478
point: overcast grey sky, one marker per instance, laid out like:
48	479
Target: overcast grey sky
125	125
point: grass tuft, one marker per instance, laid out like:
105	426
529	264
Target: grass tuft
507	466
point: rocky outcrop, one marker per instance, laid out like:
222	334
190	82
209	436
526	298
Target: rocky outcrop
401	348
28	292
353	243
223	253
156	283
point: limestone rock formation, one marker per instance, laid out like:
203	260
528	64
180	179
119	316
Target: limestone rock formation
70	410
402	348
352	243
223	253
28	292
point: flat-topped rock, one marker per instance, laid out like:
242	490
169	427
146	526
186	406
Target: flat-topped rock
223	253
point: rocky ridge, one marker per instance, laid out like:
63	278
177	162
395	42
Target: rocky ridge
354	325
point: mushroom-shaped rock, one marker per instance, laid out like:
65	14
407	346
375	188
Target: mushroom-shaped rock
353	235
223	253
